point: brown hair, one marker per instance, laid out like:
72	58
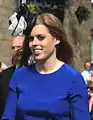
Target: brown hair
55	27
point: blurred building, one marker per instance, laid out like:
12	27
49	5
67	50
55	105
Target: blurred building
7	7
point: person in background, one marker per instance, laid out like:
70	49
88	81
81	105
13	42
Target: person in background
16	46
91	77
86	73
50	88
2	66
90	93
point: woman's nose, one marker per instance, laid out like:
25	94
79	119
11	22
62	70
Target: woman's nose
35	41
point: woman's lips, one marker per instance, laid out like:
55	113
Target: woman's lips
37	51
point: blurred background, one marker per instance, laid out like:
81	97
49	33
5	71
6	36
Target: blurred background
78	23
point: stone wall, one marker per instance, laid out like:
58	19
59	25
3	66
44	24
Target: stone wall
78	33
7	7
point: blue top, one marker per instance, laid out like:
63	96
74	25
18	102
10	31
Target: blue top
59	95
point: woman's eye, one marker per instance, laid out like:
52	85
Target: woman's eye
31	38
39	37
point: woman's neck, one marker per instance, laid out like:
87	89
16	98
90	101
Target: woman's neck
48	66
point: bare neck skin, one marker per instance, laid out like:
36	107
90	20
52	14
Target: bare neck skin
49	65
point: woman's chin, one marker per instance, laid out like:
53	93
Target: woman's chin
38	58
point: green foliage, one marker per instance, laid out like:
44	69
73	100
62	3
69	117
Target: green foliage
33	8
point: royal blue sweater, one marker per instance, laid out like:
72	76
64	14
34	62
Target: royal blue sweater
61	95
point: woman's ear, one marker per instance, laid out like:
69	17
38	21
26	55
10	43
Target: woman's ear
57	42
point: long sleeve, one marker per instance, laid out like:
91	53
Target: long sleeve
11	102
78	97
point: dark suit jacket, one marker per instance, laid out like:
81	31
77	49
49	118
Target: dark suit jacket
4	86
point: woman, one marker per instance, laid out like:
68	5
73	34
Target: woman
50	88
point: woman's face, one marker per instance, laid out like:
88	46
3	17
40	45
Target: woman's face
42	43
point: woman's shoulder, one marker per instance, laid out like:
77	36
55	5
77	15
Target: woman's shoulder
74	75
22	71
25	68
71	70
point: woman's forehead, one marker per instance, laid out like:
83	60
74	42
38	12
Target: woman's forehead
40	29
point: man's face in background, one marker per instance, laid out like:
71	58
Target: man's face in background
16	46
88	66
17	43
